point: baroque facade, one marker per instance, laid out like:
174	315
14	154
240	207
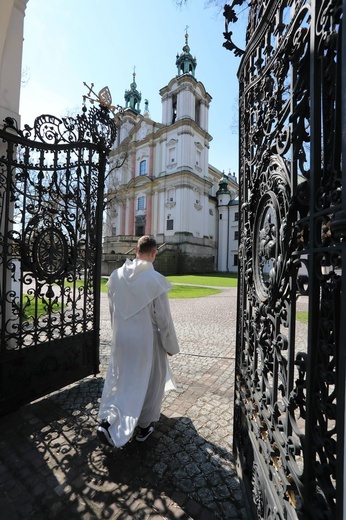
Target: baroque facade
161	182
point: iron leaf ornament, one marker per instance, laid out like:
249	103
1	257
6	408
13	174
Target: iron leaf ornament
231	17
104	99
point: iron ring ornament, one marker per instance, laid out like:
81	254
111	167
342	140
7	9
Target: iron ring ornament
50	253
270	249
49	249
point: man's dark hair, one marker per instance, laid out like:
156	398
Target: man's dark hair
146	244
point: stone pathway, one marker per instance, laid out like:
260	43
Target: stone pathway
53	466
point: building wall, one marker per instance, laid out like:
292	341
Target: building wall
183	255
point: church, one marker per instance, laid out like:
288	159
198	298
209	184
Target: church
160	182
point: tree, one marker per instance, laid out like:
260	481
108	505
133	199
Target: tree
207	3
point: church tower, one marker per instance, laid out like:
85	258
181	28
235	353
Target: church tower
227	205
184	97
223	200
132	96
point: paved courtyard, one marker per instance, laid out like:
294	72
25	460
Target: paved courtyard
53	466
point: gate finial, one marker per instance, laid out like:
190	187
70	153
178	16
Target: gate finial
104	98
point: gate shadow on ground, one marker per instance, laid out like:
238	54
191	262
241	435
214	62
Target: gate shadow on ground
176	473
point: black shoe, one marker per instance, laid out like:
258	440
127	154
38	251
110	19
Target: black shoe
143	433
103	434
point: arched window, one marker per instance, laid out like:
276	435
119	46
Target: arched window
143	167
198	111
174	108
141	202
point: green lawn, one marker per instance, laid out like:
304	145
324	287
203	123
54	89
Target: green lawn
302	316
29	311
184	291
189	291
214	279
180	290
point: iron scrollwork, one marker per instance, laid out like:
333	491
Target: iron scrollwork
94	127
52	186
270	249
231	17
50	252
292	229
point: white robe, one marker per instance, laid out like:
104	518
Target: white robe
143	333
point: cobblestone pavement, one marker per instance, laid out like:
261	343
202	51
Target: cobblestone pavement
53	466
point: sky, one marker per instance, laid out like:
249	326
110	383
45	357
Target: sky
69	42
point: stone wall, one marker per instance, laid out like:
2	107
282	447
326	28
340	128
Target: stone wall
193	255
167	260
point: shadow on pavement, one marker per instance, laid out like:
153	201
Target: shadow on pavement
53	466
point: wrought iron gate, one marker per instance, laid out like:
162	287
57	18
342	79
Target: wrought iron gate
290	376
51	205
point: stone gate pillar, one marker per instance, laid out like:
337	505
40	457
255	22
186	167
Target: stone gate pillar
11	48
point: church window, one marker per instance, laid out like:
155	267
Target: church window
174	108
170	195
198	157
236	235
171	155
197	111
169	226
235	260
141	202
143	167
221	216
236	216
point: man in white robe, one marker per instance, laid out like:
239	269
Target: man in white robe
143	335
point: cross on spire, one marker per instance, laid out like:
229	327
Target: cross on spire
186	34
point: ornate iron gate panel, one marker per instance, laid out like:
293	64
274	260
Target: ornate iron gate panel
51	206
290	375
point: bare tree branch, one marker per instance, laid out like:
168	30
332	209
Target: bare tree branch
207	3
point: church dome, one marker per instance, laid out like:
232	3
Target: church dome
223	185
185	63
132	96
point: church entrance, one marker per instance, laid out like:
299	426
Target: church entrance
52	184
140	226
